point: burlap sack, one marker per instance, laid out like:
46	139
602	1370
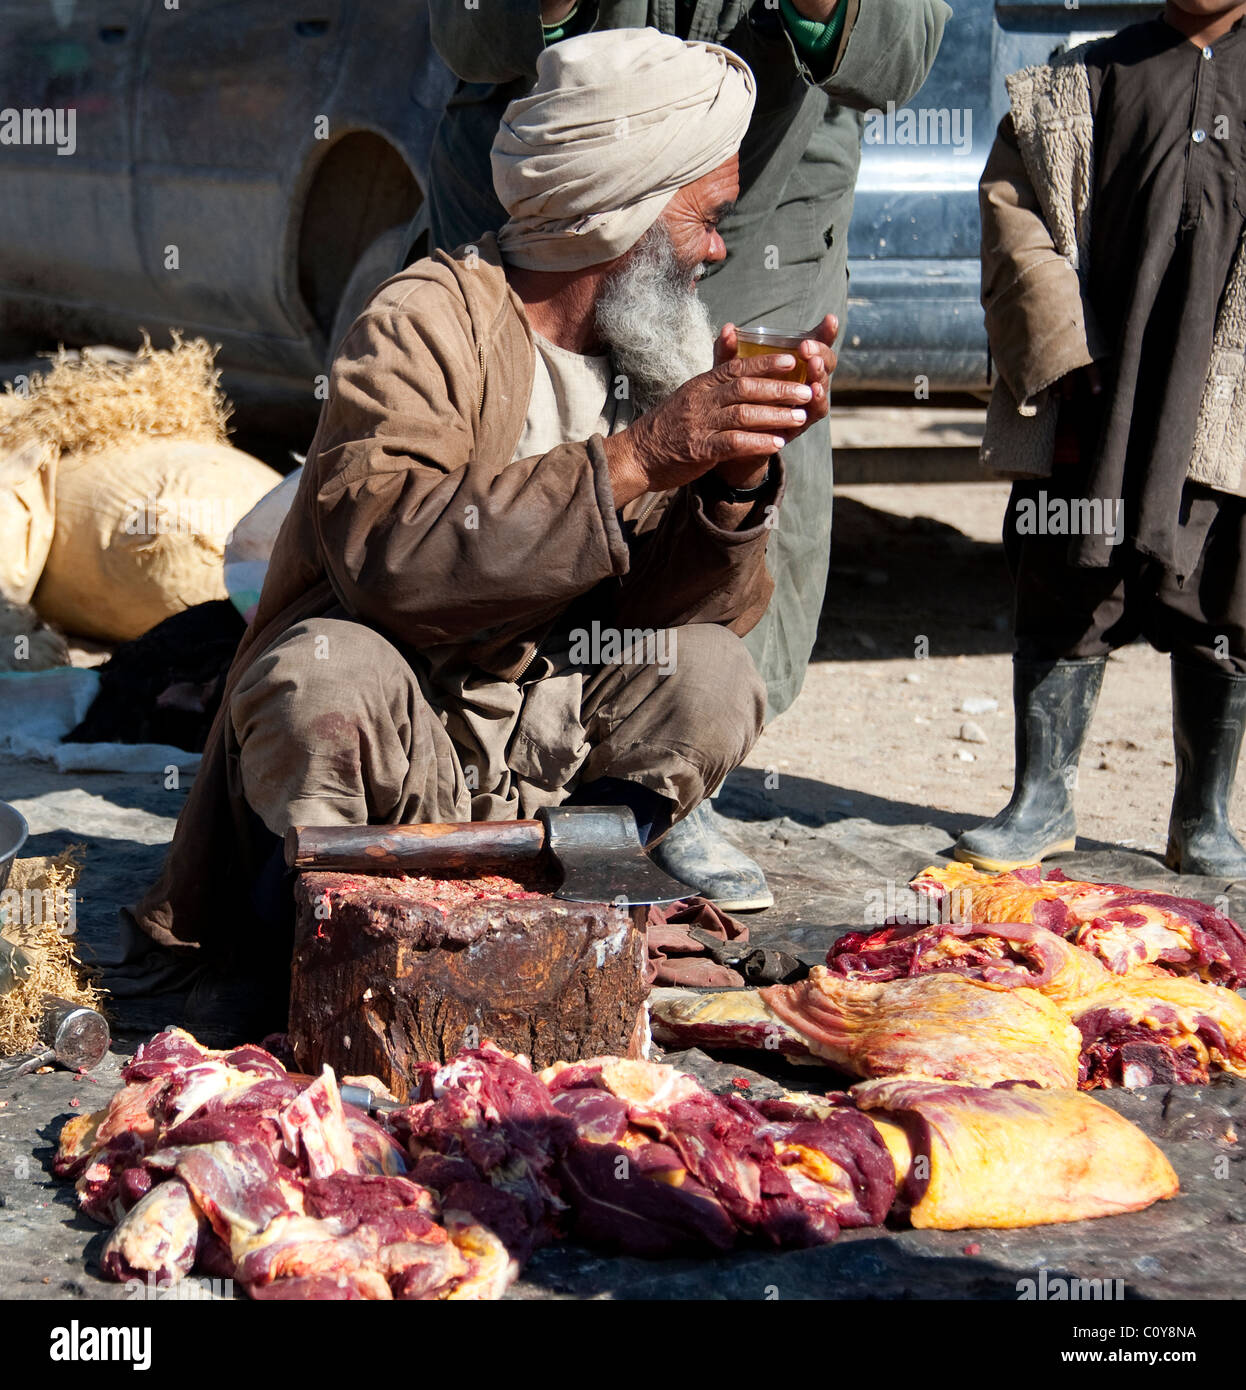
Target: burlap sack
146	487
27	516
140	532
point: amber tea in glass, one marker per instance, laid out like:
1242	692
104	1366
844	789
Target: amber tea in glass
761	342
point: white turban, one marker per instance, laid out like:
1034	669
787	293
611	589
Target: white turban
618	122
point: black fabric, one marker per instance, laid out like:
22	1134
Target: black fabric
1166	219
165	686
1071	611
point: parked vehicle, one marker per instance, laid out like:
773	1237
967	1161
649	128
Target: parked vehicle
913	310
239	169
246	170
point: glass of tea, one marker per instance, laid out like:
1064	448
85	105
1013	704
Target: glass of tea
761	342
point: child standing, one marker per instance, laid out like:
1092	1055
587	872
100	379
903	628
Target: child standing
1114	283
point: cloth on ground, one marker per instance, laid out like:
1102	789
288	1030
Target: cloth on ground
40	707
676	957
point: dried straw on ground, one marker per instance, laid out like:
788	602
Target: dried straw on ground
55	969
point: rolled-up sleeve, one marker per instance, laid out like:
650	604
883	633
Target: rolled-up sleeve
1038	324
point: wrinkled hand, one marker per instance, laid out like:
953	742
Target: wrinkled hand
818	353
731	418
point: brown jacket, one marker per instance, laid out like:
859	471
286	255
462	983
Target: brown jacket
412	516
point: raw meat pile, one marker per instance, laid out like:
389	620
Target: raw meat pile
1116	995
1139	1028
941	1026
223	1162
1011	1155
1125	927
974	1037
636	1157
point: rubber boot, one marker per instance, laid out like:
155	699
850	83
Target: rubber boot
695	851
1053	702
1208	716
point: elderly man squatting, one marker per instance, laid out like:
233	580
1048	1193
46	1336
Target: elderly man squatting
477	495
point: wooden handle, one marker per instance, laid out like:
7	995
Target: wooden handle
415	849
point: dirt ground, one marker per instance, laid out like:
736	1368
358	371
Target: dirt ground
877	729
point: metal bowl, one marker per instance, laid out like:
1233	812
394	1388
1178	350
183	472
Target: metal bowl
13	834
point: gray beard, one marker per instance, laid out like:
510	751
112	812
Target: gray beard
658	331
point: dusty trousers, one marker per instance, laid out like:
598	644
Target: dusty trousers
333	725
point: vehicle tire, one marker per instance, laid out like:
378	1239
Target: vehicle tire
375	266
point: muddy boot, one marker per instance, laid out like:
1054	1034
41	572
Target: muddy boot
1208	715
1053	702
696	852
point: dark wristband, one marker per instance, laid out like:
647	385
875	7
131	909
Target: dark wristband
718	491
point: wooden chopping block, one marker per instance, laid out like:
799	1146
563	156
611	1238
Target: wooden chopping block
388	972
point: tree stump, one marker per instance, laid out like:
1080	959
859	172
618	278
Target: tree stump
388	972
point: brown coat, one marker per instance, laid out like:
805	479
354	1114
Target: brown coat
426	402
